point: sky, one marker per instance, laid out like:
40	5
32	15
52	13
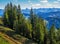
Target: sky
32	3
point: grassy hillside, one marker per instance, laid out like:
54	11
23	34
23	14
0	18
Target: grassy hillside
3	41
13	37
1	21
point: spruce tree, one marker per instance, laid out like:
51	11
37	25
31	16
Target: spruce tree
21	21
52	35
58	36
45	35
15	20
33	20
5	17
10	15
41	28
37	27
28	29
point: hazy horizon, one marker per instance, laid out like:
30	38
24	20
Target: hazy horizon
32	3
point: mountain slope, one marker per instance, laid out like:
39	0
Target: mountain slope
14	38
53	20
7	38
2	40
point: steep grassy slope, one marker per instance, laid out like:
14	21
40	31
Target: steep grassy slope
3	41
9	39
13	37
1	23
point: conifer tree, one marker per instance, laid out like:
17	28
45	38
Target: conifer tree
41	28
58	36
45	35
15	20
5	17
37	27
11	15
52	35
33	22
21	21
28	29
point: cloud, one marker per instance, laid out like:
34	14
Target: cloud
29	1
2	7
42	4
44	1
58	0
36	5
15	0
46	5
56	4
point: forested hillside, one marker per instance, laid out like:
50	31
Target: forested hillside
33	28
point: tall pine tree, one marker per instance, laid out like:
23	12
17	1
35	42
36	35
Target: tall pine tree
37	28
52	34
21	21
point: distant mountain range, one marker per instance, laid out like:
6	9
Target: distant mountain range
52	15
1	12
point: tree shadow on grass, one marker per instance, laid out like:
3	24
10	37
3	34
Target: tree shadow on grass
27	41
